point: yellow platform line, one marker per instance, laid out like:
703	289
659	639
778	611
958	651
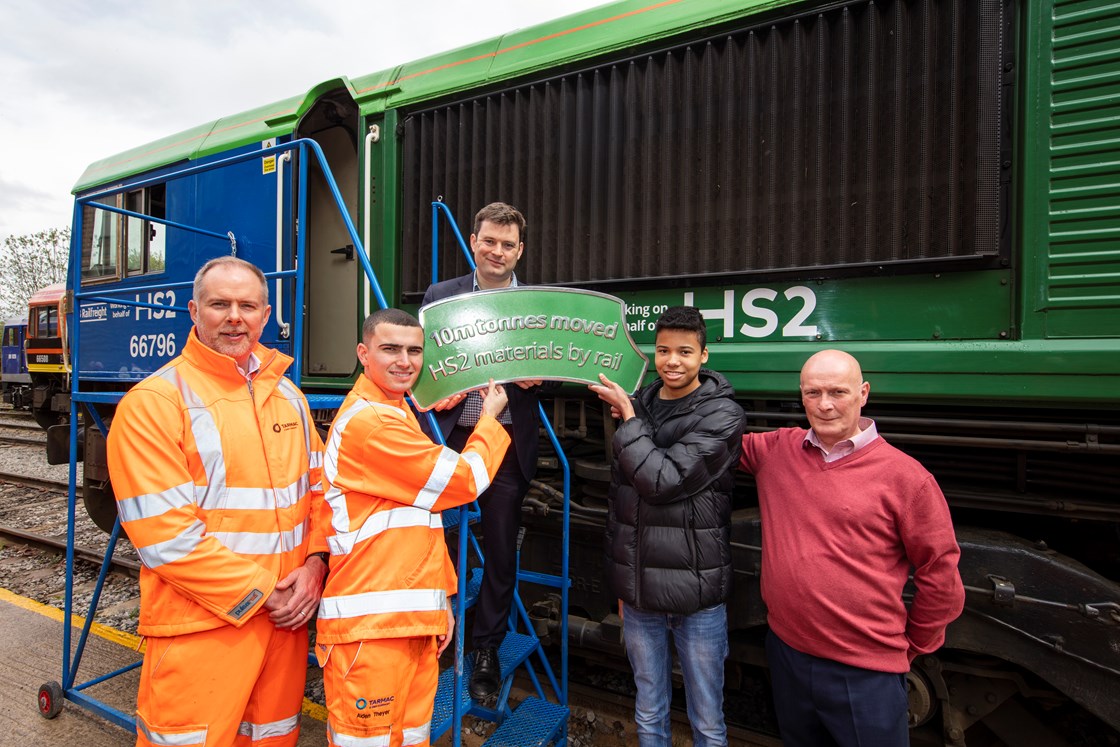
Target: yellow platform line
128	640
120	637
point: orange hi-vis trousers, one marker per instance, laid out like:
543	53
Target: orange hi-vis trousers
381	692
227	686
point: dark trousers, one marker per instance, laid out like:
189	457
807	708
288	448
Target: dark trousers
501	518
821	702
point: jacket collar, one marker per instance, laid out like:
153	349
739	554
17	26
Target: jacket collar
712	384
366	389
222	367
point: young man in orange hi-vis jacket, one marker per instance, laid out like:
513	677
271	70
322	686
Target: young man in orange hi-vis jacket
385	616
216	465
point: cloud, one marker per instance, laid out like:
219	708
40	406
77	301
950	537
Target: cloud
82	80
22	206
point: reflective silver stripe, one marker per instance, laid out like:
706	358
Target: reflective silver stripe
299	404
279	728
248	499
347	740
478	469
340	515
206	437
417	734
173	549
394	518
262	543
315	459
382	602
155	504
172	740
441	475
260	499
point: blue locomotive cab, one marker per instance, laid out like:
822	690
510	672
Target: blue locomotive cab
280	192
141	242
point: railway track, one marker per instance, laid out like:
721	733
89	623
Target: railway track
33	543
90	555
20	426
21	432
51	534
35	482
21	441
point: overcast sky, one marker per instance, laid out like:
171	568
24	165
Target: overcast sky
84	79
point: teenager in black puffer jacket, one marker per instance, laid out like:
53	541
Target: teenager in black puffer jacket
668	552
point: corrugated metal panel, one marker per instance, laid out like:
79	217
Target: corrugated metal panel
869	133
564	41
1084	138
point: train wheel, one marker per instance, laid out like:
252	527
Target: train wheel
100	504
97	490
921	697
46	417
43	389
50	699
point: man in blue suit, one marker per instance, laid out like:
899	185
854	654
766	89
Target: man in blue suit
497	245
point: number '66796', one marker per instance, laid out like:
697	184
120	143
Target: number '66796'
160	345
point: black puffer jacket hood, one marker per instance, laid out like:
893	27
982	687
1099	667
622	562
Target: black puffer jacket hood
669	525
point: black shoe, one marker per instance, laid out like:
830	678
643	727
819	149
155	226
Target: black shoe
487	673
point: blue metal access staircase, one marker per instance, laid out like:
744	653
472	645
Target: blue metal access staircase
536	720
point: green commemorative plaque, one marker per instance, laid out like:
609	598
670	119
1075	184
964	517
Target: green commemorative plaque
514	334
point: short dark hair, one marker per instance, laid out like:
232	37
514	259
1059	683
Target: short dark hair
387	316
503	215
684	318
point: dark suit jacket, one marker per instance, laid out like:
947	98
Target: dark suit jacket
523	403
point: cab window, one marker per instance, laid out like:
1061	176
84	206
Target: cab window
145	239
115	245
45	321
100	240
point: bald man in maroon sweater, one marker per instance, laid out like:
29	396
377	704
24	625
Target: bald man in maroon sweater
845	517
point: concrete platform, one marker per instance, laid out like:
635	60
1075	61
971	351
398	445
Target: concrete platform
31	654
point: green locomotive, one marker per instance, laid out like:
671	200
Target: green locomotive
932	185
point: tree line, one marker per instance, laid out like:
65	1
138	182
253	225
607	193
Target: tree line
27	264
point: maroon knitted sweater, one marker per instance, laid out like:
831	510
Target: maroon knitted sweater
839	541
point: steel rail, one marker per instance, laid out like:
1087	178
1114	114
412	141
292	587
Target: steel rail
35	482
21	441
20	426
131	567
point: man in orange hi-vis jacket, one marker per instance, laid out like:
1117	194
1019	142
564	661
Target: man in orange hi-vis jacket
385	617
216	465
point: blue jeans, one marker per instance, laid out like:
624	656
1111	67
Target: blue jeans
701	643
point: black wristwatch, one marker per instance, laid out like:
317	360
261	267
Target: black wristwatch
323	556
